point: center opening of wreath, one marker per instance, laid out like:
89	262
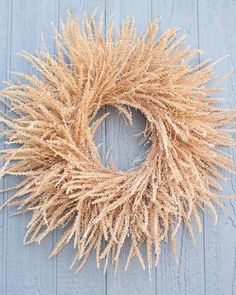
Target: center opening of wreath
119	142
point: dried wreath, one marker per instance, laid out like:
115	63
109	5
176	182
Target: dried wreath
55	119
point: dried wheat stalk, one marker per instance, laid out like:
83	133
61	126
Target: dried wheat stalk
65	184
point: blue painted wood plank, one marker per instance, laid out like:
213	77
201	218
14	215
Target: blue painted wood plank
28	269
121	137
5	21
91	279
186	277
217	37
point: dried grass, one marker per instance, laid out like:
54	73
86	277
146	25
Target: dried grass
65	184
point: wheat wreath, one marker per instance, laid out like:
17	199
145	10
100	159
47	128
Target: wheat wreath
53	117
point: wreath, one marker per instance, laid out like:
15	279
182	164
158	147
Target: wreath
52	117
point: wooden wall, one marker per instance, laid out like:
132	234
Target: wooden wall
210	267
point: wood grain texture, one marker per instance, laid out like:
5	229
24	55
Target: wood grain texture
121	137
4	67
25	267
210	267
217	37
91	279
186	276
